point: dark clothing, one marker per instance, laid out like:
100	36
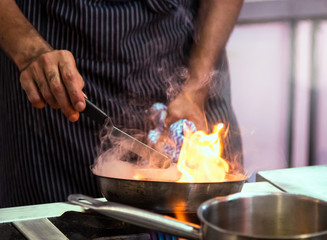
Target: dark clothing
131	54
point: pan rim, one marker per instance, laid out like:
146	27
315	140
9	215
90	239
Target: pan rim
169	182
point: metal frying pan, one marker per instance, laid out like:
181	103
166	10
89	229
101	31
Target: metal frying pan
158	196
164	197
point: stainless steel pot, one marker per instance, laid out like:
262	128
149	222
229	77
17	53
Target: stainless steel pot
165	197
236	217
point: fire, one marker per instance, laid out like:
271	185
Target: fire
200	157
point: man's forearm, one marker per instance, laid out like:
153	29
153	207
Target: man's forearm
47	75
18	38
215	23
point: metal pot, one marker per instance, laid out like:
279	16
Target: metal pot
235	217
165	197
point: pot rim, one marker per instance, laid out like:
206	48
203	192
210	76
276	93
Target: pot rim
239	195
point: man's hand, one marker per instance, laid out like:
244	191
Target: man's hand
187	106
53	78
47	75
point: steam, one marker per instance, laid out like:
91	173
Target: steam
114	160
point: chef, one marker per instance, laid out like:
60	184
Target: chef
125	55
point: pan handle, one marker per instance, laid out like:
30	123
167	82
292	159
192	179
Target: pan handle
84	201
138	217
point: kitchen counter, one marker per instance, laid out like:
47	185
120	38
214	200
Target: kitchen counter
57	209
310	181
63	220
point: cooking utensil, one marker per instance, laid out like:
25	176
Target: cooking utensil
236	217
166	197
157	195
130	143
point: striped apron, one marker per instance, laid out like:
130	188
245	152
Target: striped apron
130	54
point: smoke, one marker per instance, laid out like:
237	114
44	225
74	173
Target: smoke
114	168
114	159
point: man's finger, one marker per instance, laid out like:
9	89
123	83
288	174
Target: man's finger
73	82
59	92
42	84
31	90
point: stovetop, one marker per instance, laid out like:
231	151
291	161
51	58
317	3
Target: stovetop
91	225
75	224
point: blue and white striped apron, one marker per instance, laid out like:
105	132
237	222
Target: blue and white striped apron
126	52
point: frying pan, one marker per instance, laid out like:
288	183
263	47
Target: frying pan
159	196
165	197
235	217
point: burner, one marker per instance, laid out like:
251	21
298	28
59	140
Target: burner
161	236
141	236
92	225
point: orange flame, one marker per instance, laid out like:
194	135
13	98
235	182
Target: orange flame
200	157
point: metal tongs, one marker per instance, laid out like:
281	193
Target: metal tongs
132	144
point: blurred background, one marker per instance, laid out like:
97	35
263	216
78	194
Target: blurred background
278	56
